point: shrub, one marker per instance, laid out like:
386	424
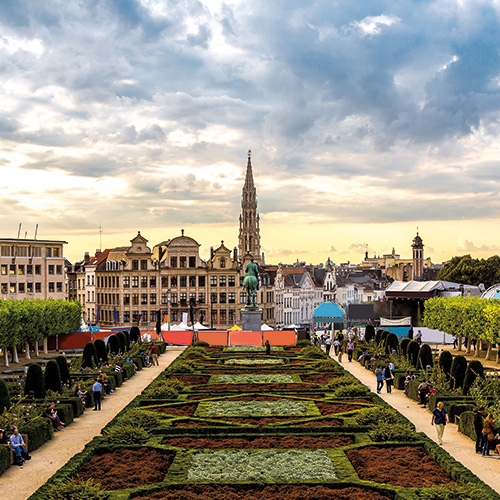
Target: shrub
126	334
125	435
475	369
135	334
378	336
113	345
181	367
5	402
457	372
452	491
303	343
145	419
351	390
75	490
385	431
4	459
445	361
200	343
391	343
466	424
39	431
101	351
412	352
369	332
424	358
35	382
62	363
53	377
312	352
384	335
89	356
121	340
197	352
403	346
327	365
344	380
374	415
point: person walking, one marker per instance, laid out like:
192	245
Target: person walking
97	390
154	354
328	345
380	379
268	347
340	350
350	350
388	378
478	429
440	419
488	435
336	344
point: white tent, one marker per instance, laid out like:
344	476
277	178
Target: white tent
165	327
291	327
199	326
177	328
266	328
183	326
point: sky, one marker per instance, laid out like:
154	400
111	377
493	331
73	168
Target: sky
366	121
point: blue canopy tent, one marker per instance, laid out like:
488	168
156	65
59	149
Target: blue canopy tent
329	312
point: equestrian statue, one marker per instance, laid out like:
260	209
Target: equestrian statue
251	284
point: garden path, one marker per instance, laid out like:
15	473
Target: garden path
455	443
18	483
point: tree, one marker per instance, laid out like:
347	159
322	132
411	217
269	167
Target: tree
412	352
121	340
424	358
53	377
102	352
5	402
113	345
474	369
35	382
127	339
135	334
89	356
63	369
445	361
403	346
391	343
369	332
465	269
458	368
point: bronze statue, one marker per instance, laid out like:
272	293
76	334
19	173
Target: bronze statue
251	284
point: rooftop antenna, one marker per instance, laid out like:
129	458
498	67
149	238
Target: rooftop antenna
36	231
100	235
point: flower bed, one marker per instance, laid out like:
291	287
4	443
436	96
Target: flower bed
191	379
318	378
252	362
401	466
329	408
126	468
268	465
250	348
282	408
254	378
258	387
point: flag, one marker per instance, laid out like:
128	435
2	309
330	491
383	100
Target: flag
165	318
115	315
218	318
98	315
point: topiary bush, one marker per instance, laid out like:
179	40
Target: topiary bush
113	345
101	351
200	343
351	391
339	381
445	361
385	431
376	414
5	402
403	346
52	377
425	357
457	372
474	369
135	334
312	352
327	365
128	434
181	367
452	491
412	352
35	382
378	336
369	332
121	340
384	335
391	343
89	356
75	489
4	459
126	334
62	362
164	389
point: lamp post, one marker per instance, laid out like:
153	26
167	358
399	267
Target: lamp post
168	309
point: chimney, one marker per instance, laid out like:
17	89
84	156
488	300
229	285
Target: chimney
235	254
211	253
98	252
86	258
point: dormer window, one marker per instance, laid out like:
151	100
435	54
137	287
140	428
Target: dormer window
222	263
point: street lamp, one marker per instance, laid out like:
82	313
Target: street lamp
168	309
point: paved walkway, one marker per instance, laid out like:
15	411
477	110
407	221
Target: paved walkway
456	444
18	483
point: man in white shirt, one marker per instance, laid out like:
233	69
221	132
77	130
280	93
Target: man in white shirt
97	390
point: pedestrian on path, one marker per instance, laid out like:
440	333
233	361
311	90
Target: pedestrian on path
328	345
350	350
440	418
336	344
154	354
340	350
380	379
388	377
97	390
489	441
478	429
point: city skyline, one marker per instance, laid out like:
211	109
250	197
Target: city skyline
365	122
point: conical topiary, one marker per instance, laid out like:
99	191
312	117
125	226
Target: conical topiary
121	340
474	370
369	332
135	334
5	402
101	350
391	343
457	372
63	369
89	356
113	345
412	352
127	339
53	377
445	361
424	358
403	346
35	382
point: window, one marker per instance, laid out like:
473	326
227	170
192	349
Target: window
20	269
29	269
231	298
51	287
126	299
48	252
152	282
192	281
164	298
182	281
222	263
126	281
222	281
182	261
192	261
201	298
136	316
38	269
192	298
29	287
152	316
144	298
174	316
135	265
55	252
183	299
164	281
173	282
213	280
223	315
201	281
243	297
135	299
12	288
144	281
5	251
173	298
3	269
173	261
4	288
231	315
144	315
59	270
21	287
144	265
222	298
152	298
241	280
135	281
59	286
12	269
214	315
37	251
213	298
231	281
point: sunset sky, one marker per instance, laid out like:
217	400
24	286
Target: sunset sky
366	120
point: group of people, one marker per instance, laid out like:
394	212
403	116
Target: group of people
51	413
385	375
338	345
17	445
487	433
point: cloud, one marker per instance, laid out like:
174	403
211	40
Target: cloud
331	248
465	245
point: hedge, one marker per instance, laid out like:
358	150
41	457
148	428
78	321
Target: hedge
412	352
65	412
474	369
5	402
466	424
39	431
62	363
129	370
458	368
34	381
52	377
445	361
4	458
424	358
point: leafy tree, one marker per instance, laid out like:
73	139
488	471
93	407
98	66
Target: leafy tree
35	381
89	356
458	368
445	361
102	352
5	402
474	369
369	332
464	269
63	369
384	335
424	358
53	377
412	352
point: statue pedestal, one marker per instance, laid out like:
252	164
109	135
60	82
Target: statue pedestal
251	320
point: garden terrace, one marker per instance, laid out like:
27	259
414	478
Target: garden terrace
302	431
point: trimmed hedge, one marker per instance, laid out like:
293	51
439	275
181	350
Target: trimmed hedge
129	370
445	361
101	350
35	382
5	402
391	343
403	346
457	373
412	352
89	356
113	344
4	458
425	358
52	377
474	369
62	363
369	332
466	424
65	412
39	431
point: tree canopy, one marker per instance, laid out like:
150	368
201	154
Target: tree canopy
464	269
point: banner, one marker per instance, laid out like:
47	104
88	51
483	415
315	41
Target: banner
286	337
245	338
395	321
213	338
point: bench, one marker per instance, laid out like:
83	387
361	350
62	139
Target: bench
25	439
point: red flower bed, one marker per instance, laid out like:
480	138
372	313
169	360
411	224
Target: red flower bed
400	466
326	422
257	420
179	411
124	468
275	492
261	442
318	378
258	387
328	408
191	379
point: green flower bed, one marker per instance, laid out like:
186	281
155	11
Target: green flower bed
250	362
254	378
252	348
265	465
281	408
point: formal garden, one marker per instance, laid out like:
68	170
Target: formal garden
235	423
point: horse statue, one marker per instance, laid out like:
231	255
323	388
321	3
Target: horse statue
251	284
